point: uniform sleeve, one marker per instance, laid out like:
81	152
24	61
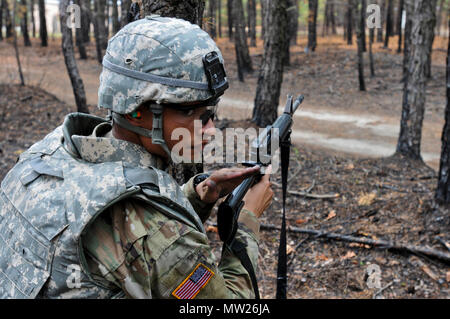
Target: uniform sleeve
202	209
149	255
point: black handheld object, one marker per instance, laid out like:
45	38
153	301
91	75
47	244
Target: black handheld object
230	208
215	73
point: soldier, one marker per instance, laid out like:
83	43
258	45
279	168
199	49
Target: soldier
90	212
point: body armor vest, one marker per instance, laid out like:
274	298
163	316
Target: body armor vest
50	197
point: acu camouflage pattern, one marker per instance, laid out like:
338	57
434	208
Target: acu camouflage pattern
50	196
49	204
162	46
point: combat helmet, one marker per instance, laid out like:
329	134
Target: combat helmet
162	60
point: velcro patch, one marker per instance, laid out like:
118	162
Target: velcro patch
192	285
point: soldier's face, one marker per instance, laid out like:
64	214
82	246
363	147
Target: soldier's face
195	121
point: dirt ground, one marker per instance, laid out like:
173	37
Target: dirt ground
380	198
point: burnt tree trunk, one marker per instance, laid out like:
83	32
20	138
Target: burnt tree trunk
407	36
332	18
115	17
312	25
358	10
264	16
69	59
98	41
42	24
16	48
230	18
101	27
219	18
33	23
399	24
212	16
271	70
124	8
389	25
381	3
79	40
413	105
251	13
86	14
292	12
24	23
1	20
443	187
430	40
244	62
371	62
362	14
8	20
349	23
189	10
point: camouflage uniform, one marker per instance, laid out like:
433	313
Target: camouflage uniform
85	215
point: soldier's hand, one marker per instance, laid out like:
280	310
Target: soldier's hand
222	182
259	197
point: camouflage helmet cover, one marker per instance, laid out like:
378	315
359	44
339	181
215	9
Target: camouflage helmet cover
168	48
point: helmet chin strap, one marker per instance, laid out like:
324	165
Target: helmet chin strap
156	133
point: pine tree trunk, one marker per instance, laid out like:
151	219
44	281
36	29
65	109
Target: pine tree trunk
8	20
251	12
443	187
189	10
399	24
115	17
1	20
413	107
42	24
79	40
292	12
271	70
407	38
86	14
219	17
244	62
362	15
212	29
382	4
124	8
98	41
371	40
101	27
33	23
16	49
264	17
230	18
349	23
332	18
389	31
69	59
24	23
358	9
312	24
431	40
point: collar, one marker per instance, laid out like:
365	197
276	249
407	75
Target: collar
90	138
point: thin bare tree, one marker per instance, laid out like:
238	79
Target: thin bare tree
69	59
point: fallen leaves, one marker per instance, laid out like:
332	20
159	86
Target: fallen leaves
366	199
332	214
348	255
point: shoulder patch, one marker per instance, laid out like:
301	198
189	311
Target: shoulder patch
192	285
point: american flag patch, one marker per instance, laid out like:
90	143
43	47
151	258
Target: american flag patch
196	280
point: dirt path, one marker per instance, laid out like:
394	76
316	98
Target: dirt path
335	116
